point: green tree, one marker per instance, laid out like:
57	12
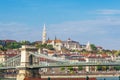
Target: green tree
1	65
25	43
1	47
50	47
44	45
117	67
13	45
87	78
99	68
41	46
70	68
104	68
80	68
93	47
117	52
62	68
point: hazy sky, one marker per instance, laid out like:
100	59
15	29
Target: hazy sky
96	21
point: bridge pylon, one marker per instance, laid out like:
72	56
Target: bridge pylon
26	61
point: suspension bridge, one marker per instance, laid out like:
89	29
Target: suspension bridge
31	60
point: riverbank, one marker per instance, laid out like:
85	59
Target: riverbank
60	79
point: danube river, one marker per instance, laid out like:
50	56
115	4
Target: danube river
108	78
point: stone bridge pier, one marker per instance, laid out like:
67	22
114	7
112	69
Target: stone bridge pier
24	71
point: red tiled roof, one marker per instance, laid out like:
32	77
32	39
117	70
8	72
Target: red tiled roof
81	59
10	40
56	41
49	41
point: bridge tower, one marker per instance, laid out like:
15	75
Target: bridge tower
26	61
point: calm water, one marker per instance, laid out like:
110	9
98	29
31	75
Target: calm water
108	78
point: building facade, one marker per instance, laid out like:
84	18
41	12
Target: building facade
71	45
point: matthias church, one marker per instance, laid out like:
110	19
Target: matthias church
59	44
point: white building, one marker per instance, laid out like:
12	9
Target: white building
57	44
44	35
2	57
71	45
88	47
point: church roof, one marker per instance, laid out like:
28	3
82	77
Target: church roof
49	41
56	41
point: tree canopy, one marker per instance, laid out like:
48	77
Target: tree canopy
93	47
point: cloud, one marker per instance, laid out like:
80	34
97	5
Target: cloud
107	11
96	26
100	31
18	31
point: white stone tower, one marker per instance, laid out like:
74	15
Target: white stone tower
44	35
88	47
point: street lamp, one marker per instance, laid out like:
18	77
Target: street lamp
87	78
48	78
119	77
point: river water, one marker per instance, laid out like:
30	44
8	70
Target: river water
108	78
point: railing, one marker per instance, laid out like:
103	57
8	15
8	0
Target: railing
65	62
50	57
58	62
11	62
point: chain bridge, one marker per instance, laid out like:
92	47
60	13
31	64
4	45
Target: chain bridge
30	60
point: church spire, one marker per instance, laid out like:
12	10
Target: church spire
44	28
55	38
88	46
44	35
